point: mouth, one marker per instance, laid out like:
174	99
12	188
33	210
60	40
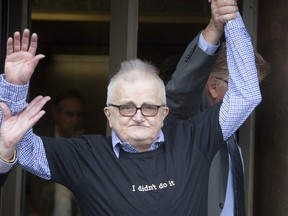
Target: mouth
137	125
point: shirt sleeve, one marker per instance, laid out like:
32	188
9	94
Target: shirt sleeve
243	93
5	166
15	97
30	150
32	156
208	48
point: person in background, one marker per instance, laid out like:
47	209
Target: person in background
220	193
144	168
68	111
221	184
48	198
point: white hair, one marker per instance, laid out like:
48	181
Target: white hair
135	70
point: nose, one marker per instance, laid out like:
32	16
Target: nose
138	116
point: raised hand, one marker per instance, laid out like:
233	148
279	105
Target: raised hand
21	59
222	11
13	128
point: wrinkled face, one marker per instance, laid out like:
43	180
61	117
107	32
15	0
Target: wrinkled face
138	130
69	117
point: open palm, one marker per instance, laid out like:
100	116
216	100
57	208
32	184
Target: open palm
13	128
21	60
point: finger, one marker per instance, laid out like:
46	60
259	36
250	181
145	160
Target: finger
36	100
226	3
227	13
37	58
33	44
33	111
229	17
9	46
6	113
227	10
37	104
36	118
16	42
25	40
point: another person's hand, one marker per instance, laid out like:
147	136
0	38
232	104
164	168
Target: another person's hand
21	59
222	11
13	128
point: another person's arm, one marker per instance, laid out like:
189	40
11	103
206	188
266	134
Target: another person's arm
185	89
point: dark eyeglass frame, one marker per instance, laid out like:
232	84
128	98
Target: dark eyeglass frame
221	79
157	107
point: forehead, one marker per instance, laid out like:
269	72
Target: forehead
137	92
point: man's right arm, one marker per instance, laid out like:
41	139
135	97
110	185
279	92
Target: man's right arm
20	63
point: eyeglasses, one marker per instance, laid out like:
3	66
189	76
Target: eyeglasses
129	110
219	78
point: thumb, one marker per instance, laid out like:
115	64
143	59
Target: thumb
6	113
37	58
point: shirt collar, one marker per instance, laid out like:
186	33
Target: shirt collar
117	143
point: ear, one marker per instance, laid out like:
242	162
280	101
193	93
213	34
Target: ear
108	115
212	88
165	112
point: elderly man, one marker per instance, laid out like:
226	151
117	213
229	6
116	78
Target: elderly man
199	58
143	168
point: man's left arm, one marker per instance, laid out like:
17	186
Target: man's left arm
243	93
